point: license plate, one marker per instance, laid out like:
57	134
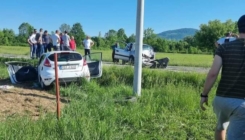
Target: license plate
68	67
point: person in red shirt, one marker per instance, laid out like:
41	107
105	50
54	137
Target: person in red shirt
72	44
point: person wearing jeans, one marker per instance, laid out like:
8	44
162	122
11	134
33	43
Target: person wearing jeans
40	49
33	44
46	41
66	39
30	44
34	50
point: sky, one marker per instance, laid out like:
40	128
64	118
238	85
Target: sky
102	15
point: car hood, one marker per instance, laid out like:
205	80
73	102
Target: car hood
148	53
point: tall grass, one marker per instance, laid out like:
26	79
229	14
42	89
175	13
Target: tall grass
196	60
167	110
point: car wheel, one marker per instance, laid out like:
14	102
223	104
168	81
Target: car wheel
43	86
154	64
131	60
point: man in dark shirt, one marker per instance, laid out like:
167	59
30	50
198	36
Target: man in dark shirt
229	102
46	41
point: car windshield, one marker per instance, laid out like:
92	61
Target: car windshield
146	47
66	57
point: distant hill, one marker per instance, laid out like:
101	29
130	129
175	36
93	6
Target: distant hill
177	34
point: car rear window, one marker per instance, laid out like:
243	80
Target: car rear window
66	57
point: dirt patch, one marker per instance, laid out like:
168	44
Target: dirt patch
25	100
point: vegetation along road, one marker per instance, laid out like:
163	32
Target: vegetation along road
169	68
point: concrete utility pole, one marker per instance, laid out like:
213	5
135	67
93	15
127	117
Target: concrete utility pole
138	49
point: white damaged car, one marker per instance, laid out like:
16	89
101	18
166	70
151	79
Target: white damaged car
71	67
127	54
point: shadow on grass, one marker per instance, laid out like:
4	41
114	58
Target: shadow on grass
126	100
45	97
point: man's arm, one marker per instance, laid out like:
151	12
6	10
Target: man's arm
75	45
40	38
28	40
69	39
92	43
32	39
58	39
212	74
210	79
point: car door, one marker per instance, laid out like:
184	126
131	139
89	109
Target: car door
20	71
122	54
13	67
94	62
39	66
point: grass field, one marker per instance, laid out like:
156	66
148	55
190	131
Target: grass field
167	110
196	60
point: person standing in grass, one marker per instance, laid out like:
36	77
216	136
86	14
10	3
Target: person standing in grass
87	43
56	41
33	44
66	41
30	44
39	40
229	102
46	41
73	45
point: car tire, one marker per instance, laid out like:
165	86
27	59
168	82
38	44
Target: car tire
43	86
131	60
154	64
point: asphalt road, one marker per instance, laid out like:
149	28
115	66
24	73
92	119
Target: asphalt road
172	68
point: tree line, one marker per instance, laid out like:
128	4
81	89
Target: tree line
201	42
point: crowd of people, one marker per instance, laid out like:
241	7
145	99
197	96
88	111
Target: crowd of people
42	42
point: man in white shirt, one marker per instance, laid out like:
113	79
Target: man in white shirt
33	43
56	41
87	43
66	41
30	43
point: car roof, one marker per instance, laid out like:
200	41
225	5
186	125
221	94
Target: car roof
52	52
